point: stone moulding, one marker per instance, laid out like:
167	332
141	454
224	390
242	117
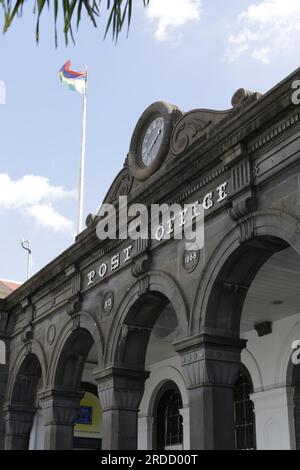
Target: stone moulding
271	134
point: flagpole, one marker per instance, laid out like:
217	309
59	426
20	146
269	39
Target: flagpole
82	161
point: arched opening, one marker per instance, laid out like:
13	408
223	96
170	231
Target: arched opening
77	409
255	297
168	426
26	383
244	416
72	360
23	404
270	312
296	402
137	328
88	424
144	343
232	284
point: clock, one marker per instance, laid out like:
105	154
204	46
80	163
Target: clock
150	142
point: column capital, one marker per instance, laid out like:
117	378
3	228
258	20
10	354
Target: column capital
18	418
208	359
60	406
120	388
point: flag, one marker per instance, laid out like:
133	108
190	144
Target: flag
76	81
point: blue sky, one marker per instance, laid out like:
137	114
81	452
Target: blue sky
193	53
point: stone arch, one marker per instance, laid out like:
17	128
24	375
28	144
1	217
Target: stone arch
86	322
232	268
121	383
22	397
32	348
161	290
61	398
154	384
71	361
159	378
252	366
160	405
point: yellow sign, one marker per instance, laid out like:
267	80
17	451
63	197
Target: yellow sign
89	421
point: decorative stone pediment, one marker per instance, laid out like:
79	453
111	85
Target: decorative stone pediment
194	126
120	187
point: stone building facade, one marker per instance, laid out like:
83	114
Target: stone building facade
184	349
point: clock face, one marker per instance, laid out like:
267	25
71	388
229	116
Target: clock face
152	141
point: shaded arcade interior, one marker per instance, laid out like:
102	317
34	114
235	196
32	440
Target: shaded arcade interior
150	330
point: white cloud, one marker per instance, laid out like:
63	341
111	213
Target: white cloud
170	15
47	217
34	196
265	29
29	190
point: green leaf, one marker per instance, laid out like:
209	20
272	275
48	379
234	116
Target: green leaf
118	12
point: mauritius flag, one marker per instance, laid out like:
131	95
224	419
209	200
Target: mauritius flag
76	81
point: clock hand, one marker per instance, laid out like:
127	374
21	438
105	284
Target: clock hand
154	142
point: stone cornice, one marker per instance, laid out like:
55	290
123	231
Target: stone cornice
274	132
203	158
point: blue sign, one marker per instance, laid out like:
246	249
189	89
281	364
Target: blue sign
85	415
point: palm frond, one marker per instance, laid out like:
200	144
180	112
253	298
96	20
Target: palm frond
119	14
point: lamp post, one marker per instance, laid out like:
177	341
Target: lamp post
26	245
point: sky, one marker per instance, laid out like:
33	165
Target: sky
192	53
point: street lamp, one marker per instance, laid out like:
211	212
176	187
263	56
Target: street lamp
26	244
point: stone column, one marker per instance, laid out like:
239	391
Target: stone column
18	420
274	416
211	365
60	409
145	432
120	392
185	413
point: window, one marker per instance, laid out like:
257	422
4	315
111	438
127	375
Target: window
296	385
169	420
244	417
